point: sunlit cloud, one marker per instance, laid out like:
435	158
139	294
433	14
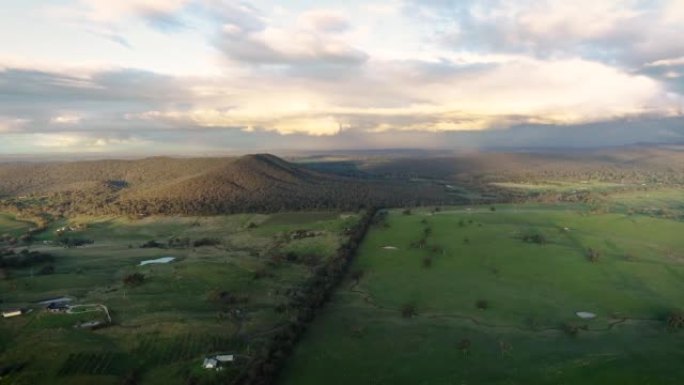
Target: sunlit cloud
333	70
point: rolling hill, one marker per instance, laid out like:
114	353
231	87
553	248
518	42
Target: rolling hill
259	182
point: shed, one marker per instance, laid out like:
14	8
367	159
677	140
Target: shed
210	363
9	313
223	358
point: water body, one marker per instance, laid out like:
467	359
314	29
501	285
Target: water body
157	261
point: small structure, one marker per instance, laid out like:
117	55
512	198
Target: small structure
585	315
9	313
218	361
210	363
57	307
224	358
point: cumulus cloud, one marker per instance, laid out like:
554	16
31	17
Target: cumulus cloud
463	97
66	119
291	46
321	20
159	12
318	73
632	31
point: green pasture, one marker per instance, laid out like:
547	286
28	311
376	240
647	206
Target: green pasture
164	327
494	309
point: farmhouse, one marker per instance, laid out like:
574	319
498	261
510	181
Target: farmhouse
57	307
217	361
9	313
210	363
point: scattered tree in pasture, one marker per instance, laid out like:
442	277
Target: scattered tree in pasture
675	320
152	244
534	237
206	242
464	346
408	310
134	279
593	255
427	261
572	329
482	304
505	348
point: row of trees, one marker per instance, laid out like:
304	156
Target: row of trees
304	303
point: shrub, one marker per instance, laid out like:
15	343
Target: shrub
536	238
151	245
464	345
135	279
675	320
409	310
593	255
427	261
47	270
206	242
482	304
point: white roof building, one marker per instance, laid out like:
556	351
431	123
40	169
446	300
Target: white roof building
225	358
210	363
11	313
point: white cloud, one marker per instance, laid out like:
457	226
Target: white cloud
112	11
321	20
410	97
83	142
667	62
629	33
66	119
9	124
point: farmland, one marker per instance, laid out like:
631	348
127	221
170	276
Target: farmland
221	293
491	295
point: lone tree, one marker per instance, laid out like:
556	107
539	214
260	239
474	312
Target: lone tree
409	310
505	348
135	279
675	320
482	304
427	261
593	255
464	346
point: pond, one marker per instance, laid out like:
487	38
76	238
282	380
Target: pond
157	261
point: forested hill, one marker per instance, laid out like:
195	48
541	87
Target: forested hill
260	182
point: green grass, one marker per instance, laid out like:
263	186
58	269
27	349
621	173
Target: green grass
561	186
12	226
164	327
531	290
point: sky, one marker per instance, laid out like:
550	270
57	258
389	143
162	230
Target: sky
193	77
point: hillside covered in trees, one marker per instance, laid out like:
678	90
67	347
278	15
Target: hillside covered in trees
195	186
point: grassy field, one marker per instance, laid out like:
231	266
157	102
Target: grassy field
11	226
210	299
561	186
477	304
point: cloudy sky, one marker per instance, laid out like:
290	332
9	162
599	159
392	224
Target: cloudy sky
212	76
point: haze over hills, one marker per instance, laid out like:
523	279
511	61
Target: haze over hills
260	182
264	182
